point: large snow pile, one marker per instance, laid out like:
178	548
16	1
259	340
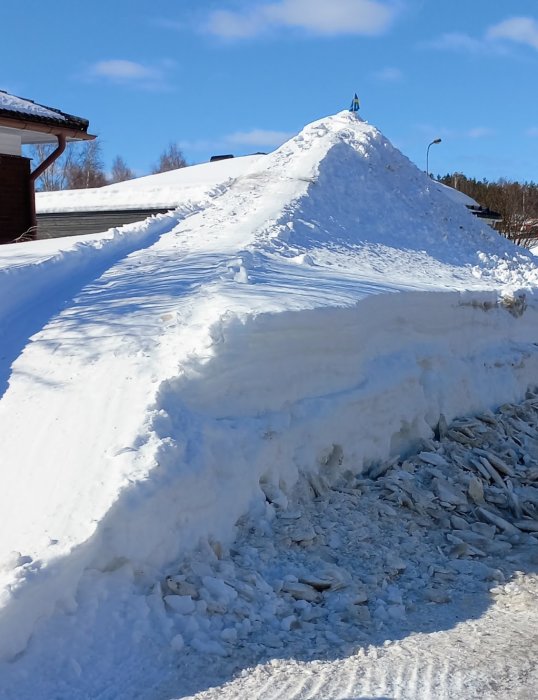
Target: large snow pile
324	307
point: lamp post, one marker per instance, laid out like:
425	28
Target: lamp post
428	155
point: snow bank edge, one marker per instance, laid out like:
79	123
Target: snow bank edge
320	390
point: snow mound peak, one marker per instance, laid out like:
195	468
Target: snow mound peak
362	195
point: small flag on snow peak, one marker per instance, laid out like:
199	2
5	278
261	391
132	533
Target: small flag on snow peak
355	104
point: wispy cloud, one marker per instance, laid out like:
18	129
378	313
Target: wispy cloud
119	69
258	137
456	41
522	30
250	139
388	75
475	132
479	132
532	131
495	39
319	17
132	73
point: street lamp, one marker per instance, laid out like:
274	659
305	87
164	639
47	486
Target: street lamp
428	155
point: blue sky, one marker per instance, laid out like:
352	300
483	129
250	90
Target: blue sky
239	76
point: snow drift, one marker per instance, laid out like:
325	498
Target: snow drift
317	312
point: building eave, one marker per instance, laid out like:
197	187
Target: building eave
54	129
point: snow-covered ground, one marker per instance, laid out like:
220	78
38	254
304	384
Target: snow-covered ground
195	380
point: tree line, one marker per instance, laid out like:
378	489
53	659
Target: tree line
516	202
81	165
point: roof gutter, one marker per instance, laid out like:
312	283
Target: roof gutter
49	160
54	129
60	148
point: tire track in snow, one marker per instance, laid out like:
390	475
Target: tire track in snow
311	687
387	677
408	671
491	654
50	283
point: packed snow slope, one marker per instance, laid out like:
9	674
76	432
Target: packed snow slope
323	308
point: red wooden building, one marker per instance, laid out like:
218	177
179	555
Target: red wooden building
25	122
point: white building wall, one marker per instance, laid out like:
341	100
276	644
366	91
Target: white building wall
10	142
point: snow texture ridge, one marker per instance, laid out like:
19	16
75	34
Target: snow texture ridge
327	298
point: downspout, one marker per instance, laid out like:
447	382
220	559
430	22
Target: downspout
39	171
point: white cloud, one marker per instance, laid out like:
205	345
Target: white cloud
254	138
231	25
389	75
320	17
121	71
479	132
522	30
456	42
199	144
258	137
476	132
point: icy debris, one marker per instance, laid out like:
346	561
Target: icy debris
448	493
301	591
180	604
433	458
347	554
274	494
501	523
317	583
437	595
475	489
527	525
177	643
179	586
302	532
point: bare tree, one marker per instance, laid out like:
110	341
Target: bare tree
120	171
516	202
170	159
87	168
55	176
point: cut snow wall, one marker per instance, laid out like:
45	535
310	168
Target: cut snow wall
279	394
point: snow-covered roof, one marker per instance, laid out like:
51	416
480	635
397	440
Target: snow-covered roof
18	111
161	191
456	195
19	105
